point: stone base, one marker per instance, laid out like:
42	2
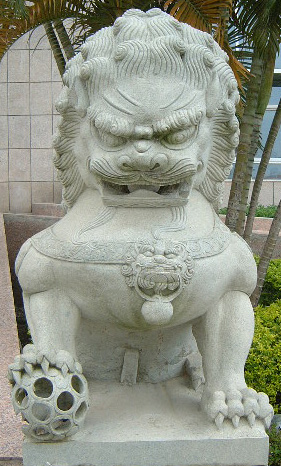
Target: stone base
151	425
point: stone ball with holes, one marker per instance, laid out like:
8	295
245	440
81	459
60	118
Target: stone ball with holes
52	406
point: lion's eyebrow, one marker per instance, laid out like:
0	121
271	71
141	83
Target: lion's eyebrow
187	103
189	100
128	98
117	105
178	120
175	99
107	122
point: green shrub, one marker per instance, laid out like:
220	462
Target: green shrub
265	211
271	291
262	370
274	447
262	211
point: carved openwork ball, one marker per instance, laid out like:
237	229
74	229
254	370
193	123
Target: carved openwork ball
54	406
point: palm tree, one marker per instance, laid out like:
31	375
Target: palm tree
236	208
275	126
261	22
267	254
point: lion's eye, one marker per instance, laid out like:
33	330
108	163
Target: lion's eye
180	137
111	140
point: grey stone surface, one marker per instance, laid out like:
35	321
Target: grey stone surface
150	425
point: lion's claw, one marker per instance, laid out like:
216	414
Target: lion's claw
266	410
219	420
235	421
31	357
267	421
28	367
45	364
236	404
65	362
78	367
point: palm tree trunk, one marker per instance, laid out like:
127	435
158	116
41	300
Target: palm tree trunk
261	172
267	254
236	204
55	46
64	39
263	99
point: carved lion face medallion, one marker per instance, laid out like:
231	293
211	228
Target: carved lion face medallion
158	271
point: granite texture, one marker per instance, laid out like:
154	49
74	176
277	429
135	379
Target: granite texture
18	229
149	425
10	425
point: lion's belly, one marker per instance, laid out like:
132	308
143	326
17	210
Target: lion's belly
101	292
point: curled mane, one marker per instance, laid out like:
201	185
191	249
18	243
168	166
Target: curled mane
146	45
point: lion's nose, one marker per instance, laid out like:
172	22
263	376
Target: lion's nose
143	162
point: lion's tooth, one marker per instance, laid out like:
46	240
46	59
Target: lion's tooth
184	189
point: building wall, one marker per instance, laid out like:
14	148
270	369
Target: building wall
29	86
270	193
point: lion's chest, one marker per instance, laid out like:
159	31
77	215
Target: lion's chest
139	283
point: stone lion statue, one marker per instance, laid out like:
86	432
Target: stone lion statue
141	264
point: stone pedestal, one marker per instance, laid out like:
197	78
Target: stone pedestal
151	425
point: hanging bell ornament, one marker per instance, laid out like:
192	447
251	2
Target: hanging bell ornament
157	312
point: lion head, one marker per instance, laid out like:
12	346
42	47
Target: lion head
148	107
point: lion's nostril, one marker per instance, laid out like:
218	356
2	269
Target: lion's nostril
125	163
159	161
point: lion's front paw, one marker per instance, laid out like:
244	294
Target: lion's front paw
234	404
50	392
31	357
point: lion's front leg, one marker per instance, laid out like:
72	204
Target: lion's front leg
54	320
48	386
224	336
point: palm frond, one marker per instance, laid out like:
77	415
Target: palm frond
261	23
19	8
38	12
204	15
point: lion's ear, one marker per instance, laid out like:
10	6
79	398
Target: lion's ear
78	96
213	95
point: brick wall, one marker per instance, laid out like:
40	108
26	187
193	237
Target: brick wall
29	86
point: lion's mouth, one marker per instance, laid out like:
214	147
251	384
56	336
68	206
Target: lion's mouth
146	195
136	188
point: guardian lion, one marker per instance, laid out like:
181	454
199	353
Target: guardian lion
147	136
